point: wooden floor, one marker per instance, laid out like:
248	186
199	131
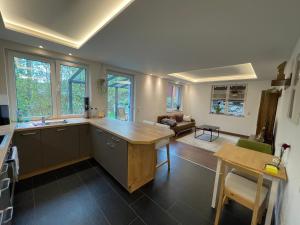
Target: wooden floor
199	156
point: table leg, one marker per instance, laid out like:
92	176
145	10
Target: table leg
272	200
211	135
216	185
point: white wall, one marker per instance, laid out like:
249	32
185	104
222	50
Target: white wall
197	104
289	132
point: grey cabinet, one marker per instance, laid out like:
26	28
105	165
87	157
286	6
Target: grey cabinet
111	152
60	145
29	150
98	138
84	141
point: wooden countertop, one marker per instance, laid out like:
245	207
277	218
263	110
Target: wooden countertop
248	159
134	133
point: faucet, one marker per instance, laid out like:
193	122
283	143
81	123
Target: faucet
43	120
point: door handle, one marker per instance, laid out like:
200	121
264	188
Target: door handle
27	134
61	129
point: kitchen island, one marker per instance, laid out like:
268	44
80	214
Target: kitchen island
125	149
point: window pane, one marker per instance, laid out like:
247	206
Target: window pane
218	106
169	96
73	89
33	87
236	108
173	96
119	97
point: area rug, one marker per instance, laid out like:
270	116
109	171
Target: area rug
201	142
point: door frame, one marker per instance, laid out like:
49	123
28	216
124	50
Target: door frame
131	78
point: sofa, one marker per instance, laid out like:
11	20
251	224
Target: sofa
179	125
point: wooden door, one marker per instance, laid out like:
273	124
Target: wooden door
267	113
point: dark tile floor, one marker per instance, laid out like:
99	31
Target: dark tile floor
85	193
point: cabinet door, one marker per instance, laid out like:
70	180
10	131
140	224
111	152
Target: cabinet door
60	145
116	156
84	141
98	144
29	150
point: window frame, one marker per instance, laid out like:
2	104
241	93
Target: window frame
227	99
54	82
180	87
131	78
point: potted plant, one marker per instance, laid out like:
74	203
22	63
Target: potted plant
218	108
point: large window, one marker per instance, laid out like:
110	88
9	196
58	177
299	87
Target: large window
174	96
72	89
38	89
119	96
228	99
33	87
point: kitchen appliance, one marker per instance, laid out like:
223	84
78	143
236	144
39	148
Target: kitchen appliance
4	115
86	107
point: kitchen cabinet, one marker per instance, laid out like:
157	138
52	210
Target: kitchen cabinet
85	141
111	152
29	150
60	145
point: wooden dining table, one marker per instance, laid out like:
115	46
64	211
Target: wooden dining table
253	161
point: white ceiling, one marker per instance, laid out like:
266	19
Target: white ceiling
168	36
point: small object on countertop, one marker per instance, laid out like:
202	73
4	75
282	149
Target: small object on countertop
271	169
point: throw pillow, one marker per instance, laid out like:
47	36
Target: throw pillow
179	118
187	118
169	122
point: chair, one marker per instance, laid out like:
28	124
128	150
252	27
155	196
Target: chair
122	114
255	145
161	143
250	194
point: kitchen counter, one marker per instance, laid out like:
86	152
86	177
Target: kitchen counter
134	133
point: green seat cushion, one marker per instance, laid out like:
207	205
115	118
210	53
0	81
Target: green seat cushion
255	145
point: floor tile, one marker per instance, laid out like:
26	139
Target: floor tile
151	213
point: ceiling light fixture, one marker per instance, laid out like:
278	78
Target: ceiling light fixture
39	32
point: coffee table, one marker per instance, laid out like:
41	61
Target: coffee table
208	128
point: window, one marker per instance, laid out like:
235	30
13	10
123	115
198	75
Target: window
72	89
37	89
33	87
174	96
228	99
119	96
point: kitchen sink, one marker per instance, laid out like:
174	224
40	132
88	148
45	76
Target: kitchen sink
50	122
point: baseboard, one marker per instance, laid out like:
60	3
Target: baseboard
48	169
234	134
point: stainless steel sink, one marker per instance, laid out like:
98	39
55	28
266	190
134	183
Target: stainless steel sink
50	122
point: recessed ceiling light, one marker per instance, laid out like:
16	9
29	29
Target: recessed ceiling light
70	54
41	46
150	74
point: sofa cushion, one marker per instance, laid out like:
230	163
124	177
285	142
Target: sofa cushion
170	122
159	118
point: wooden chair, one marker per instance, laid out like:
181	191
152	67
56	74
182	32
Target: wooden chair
122	114
248	193
161	143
